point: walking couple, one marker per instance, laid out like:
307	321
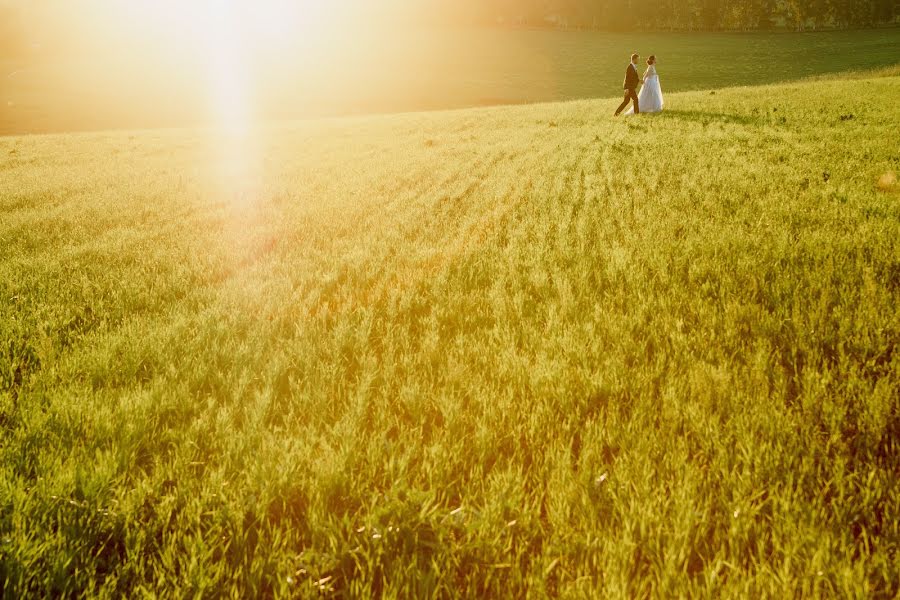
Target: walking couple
650	99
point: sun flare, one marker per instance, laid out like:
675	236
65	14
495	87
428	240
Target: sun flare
227	40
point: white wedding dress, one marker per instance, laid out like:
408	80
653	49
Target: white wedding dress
650	99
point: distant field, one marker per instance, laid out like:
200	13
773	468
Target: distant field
419	70
524	350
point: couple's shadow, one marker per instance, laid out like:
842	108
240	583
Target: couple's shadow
705	117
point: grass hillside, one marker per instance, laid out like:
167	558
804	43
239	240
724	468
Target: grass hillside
485	352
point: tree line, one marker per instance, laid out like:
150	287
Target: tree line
681	15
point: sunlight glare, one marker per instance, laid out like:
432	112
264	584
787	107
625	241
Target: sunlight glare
227	38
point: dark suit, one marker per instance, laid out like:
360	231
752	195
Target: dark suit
631	82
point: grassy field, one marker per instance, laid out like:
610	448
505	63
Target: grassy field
484	352
448	69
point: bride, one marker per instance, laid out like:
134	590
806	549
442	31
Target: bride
650	99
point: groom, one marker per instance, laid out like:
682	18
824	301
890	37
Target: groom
631	82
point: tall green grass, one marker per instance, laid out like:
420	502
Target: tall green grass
498	352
